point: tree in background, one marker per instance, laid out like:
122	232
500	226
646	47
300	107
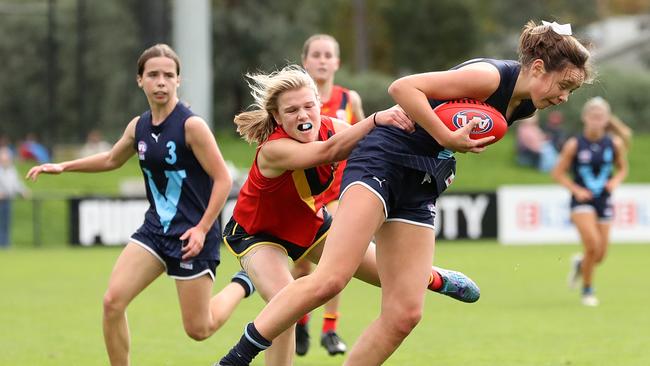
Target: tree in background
96	41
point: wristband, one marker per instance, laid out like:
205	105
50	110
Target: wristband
374	118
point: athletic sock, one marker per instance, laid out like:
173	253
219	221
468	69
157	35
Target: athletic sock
248	286
435	281
587	290
250	344
329	322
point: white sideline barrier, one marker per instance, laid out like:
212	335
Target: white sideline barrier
534	214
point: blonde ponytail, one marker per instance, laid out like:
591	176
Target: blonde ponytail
255	126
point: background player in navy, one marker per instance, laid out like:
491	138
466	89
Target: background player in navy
393	178
321	59
598	165
187	185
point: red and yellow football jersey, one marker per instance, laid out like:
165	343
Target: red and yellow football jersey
288	207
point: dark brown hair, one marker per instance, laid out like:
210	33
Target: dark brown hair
556	50
158	50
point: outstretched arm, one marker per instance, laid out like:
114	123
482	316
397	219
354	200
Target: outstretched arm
101	162
287	154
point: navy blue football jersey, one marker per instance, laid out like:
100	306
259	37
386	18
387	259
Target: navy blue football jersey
593	164
178	189
420	151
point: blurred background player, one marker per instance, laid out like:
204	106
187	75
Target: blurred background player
598	165
180	234
394	177
321	59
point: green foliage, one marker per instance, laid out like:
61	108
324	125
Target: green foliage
428	38
244	44
52	303
96	88
371	86
110	97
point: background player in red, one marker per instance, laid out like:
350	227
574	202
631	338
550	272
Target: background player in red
393	178
598	165
180	235
321	59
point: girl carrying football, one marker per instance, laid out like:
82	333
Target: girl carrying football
394	177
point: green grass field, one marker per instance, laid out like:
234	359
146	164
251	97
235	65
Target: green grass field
50	311
50	307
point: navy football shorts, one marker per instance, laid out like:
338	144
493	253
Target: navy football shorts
601	205
175	267
240	242
408	195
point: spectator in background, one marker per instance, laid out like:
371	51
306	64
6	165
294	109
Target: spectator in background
94	144
31	149
554	129
534	149
10	186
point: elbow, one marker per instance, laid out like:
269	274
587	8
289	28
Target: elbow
228	182
395	88
223	181
555	175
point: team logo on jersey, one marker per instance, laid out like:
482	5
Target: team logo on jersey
342	115
462	118
142	148
584	156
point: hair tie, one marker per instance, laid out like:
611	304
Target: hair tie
561	29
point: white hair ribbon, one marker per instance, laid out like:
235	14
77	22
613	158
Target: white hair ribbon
562	29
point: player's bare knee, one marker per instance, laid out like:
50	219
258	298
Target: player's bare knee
591	250
330	287
198	332
404	321
403	316
600	256
112	304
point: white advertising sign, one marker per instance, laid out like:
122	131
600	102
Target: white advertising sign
533	214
